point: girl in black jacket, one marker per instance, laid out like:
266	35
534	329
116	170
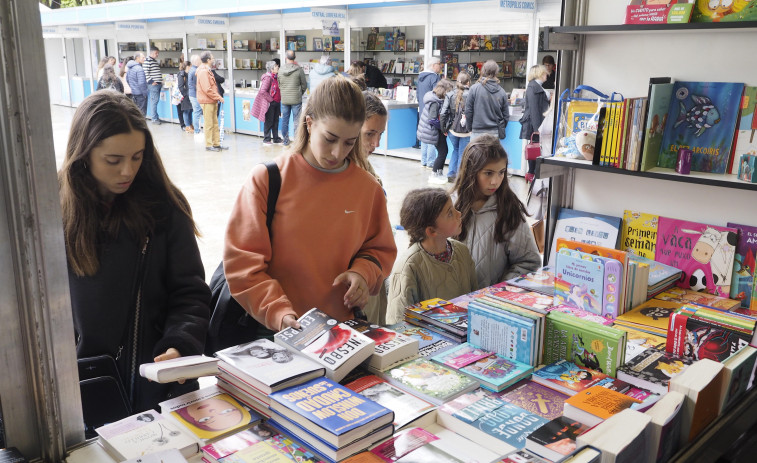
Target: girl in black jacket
537	102
137	283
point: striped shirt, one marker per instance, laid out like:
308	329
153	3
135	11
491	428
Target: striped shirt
152	71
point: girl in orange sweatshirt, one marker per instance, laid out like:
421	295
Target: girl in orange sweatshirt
331	242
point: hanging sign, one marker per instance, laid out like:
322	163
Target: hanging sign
332	14
518	6
131	26
218	22
330	27
73	31
50	30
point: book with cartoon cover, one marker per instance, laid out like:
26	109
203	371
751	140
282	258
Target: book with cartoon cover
493	371
430	380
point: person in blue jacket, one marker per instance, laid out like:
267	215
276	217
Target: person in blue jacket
135	76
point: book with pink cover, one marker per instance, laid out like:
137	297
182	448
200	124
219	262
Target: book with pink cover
704	253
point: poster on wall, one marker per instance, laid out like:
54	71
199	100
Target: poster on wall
330	27
246	110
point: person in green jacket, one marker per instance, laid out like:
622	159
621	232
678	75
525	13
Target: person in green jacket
293	84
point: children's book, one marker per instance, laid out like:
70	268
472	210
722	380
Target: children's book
391	347
335	414
493	371
406	407
488	421
661	276
689	296
430	380
698	338
209	413
702	117
657	116
541	281
586	227
526	299
556	439
444	314
745	141
504	333
580	313
335	346
652	316
653	369
230	445
598	347
639	233
704	253
578	282
267	366
567	377
327	43
142	434
596	404
429	342
536	398
742	284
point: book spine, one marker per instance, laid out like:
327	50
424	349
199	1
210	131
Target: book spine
720	318
675	343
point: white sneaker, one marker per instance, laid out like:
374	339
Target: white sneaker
437	178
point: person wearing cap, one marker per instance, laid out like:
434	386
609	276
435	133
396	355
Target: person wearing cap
427	80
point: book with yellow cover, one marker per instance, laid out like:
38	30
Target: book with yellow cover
639	233
652	316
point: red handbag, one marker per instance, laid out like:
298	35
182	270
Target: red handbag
533	148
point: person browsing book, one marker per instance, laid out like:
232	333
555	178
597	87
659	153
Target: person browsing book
434	265
137	283
331	243
493	218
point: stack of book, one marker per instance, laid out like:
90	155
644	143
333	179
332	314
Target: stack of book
493	371
392	348
429	342
429	380
506	329
443	317
700	332
653	316
661	276
143	434
259	443
254	370
541	281
336	346
329	418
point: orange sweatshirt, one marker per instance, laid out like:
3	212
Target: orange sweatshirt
324	222
207	91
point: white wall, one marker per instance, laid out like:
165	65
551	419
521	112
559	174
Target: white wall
56	67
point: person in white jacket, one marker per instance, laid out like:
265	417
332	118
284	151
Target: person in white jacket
494	223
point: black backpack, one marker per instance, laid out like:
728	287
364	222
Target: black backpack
230	324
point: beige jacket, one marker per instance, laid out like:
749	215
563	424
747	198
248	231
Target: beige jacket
417	276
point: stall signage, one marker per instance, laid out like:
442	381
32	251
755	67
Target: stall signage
211	21
518	6
72	30
46	30
131	26
331	14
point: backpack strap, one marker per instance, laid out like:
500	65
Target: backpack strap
274	186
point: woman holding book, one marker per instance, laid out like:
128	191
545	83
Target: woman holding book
138	290
330	242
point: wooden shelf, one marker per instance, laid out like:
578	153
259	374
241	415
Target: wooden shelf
746	26
546	166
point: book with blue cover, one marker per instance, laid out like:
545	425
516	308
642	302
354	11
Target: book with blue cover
493	371
585	227
702	117
332	412
501	332
490	421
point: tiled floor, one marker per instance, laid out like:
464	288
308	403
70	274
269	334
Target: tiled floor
211	180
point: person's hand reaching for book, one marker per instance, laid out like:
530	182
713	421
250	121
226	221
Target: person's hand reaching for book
290	321
357	289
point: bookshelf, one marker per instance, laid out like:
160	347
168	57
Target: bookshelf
466	51
170	52
249	53
385	47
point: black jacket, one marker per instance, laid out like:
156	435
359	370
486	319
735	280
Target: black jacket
182	80
374	77
173	310
537	103
219	80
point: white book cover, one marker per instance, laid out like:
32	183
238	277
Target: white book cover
167	371
165	456
391	346
143	434
269	363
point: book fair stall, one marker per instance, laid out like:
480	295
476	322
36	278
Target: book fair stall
634	340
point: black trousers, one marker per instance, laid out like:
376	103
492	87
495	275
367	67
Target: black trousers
271	124
441	152
181	115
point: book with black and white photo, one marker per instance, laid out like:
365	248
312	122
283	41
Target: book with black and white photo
267	366
144	433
